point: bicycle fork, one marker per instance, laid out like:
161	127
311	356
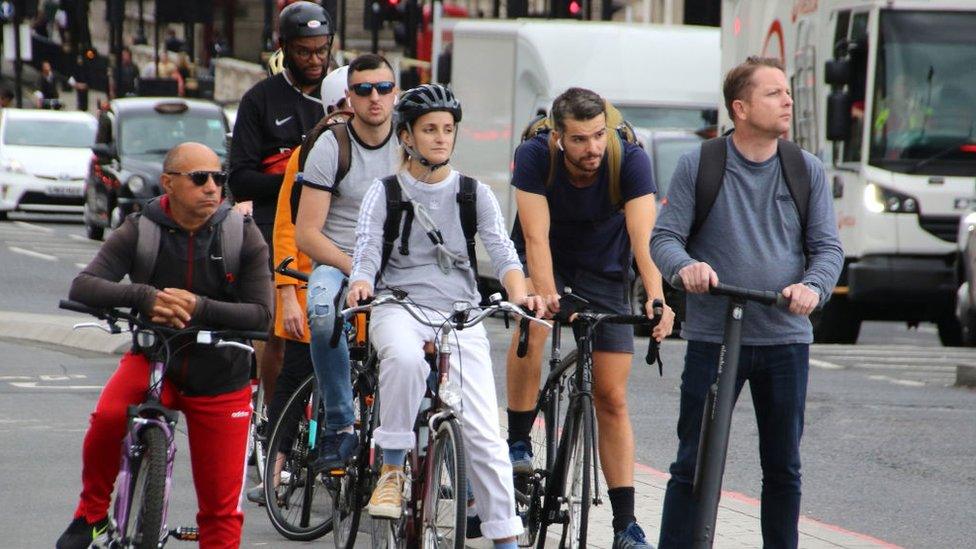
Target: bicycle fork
132	450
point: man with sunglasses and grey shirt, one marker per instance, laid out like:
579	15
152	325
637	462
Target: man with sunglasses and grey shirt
325	230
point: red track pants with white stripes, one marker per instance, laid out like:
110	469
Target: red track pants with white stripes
217	427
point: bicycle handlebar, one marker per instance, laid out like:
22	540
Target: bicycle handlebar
204	336
391	299
766	297
282	268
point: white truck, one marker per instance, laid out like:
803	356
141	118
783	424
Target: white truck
506	72
885	95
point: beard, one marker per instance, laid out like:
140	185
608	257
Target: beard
298	75
579	164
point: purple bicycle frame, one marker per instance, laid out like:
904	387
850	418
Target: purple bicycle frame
130	443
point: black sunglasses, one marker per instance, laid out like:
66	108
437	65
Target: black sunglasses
365	89
199	178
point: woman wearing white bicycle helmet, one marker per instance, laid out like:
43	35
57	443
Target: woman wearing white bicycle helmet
434	267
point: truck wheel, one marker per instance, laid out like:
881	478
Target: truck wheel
950	331
838	322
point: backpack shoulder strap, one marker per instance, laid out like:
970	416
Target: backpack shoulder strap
341	132
797	177
708	183
391	227
467	198
147	248
231	243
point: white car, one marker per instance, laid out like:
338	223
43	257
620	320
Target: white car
44	157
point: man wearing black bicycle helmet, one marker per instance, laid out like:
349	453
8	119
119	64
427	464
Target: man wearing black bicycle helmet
273	118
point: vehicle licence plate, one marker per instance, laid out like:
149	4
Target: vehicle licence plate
63	190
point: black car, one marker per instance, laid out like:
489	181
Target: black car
133	137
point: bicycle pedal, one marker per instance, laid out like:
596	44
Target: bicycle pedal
185	533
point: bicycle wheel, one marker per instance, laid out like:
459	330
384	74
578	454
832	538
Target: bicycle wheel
259	431
298	503
445	497
578	476
147	491
349	491
530	489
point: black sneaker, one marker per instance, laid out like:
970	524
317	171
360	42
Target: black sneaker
335	452
81	534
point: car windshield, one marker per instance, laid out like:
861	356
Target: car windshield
686	118
923	117
153	134
665	157
36	132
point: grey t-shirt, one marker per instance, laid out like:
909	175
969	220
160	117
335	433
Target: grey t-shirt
366	164
418	273
752	239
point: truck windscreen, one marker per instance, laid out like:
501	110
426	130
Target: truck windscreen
924	116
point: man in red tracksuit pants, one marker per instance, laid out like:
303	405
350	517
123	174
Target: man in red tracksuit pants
188	286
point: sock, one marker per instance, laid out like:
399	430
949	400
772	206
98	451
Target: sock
520	425
472	510
622	504
396	457
506	545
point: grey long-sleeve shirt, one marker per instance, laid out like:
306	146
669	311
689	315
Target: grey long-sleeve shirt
418	273
751	238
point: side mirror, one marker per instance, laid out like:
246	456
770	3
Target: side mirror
838	116
837	72
105	152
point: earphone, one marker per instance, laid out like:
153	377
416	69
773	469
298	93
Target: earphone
559	143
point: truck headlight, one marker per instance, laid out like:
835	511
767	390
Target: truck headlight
878	199
136	184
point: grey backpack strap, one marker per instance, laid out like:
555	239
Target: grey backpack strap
231	243
797	177
147	248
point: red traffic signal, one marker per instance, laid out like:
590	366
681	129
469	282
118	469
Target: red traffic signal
574	8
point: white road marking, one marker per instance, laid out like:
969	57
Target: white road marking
905	367
34	385
824	365
80	238
30	253
80	265
32	226
905	382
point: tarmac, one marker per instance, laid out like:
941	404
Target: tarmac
738	518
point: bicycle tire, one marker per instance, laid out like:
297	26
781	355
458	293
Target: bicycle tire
577	481
298	505
445	491
349	492
530	490
259	432
147	491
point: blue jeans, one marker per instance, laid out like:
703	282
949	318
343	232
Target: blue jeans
331	363
777	376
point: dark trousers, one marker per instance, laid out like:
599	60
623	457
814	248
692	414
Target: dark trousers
777	376
296	366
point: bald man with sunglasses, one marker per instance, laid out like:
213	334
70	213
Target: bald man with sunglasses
187	287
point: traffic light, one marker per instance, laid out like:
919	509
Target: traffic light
574	8
563	9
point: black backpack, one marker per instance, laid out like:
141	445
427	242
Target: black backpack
467	198
711	172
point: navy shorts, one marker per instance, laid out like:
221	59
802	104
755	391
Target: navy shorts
606	294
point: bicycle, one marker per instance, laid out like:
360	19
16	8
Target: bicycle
559	489
717	414
435	513
142	491
295	505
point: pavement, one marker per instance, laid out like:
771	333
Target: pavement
738	518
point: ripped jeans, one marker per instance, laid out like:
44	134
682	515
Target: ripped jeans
331	363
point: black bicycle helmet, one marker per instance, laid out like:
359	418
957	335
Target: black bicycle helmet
421	100
303	19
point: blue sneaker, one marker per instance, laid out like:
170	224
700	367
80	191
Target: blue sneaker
335	452
632	536
520	454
